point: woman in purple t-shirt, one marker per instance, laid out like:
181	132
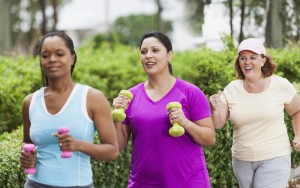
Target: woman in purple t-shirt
158	159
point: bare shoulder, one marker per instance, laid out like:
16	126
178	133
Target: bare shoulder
96	99
95	94
97	103
27	100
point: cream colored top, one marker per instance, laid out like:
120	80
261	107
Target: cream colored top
259	130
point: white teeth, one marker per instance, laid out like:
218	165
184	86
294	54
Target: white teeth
248	68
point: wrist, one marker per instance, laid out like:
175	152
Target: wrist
187	125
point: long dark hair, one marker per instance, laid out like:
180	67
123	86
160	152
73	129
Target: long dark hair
69	43
164	39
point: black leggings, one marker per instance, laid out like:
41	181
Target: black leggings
32	184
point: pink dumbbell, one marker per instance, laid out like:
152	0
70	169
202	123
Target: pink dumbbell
65	154
28	149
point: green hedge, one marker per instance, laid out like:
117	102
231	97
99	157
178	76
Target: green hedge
11	175
18	78
112	68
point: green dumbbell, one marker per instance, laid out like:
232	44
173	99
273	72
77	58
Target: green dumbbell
119	113
176	130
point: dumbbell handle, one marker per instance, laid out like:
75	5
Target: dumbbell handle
65	153
28	149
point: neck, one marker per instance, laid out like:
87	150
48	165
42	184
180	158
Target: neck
60	86
160	83
256	86
156	89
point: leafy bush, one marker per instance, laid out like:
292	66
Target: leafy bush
109	69
209	70
18	78
11	174
288	63
112	174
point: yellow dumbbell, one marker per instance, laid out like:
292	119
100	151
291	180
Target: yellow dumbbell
176	130
119	113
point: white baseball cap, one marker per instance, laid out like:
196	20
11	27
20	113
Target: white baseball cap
252	44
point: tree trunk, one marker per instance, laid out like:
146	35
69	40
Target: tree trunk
231	18
274	28
44	20
242	7
160	26
54	6
5	36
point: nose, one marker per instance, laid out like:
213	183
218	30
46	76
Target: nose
248	61
52	58
148	54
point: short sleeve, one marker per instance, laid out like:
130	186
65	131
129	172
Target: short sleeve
289	90
199	107
284	89
223	97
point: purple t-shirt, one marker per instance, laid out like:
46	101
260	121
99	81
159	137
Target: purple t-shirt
158	159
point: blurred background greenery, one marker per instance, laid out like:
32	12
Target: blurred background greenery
276	22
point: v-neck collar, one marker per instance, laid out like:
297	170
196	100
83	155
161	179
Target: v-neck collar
64	106
161	99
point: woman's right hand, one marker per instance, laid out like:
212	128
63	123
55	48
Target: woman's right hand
121	102
220	112
215	100
28	160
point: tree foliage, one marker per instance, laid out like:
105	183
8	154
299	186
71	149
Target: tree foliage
276	20
29	20
195	14
131	28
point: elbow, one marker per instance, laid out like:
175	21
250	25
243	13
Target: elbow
212	141
209	141
115	155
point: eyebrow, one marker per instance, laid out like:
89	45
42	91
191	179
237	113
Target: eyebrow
60	49
249	55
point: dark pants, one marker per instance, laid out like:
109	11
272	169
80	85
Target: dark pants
32	184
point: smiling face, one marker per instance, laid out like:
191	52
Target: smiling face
55	58
250	64
154	56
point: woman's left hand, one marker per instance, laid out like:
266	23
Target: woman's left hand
176	115
66	142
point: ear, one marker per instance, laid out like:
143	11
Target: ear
170	54
264	60
73	59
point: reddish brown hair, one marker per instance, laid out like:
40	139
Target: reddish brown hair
267	70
